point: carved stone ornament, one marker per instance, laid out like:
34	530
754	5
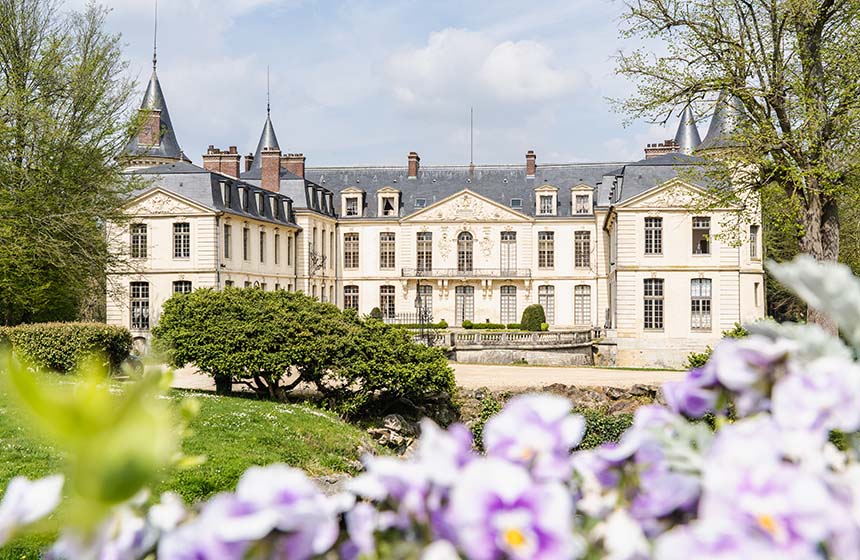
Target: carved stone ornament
466	208
444	245
676	196
486	243
160	203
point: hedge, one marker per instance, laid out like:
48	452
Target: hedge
483	326
62	346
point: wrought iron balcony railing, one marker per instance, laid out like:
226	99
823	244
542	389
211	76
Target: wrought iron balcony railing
466	273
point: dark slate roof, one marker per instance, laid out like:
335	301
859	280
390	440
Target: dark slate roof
500	183
640	176
305	194
268	139
169	146
205	188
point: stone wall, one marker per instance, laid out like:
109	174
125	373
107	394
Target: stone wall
551	357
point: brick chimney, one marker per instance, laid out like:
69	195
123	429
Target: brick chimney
150	132
249	161
226	162
665	147
413	165
271	168
294	163
531	163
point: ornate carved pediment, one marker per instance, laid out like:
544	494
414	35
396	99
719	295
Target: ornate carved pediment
466	207
674	195
161	202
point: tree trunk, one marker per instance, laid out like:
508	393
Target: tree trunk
820	240
223	385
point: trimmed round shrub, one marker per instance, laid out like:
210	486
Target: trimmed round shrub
544	327
442	324
533	316
376	313
61	347
468	324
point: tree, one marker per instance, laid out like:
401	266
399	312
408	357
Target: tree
65	113
790	67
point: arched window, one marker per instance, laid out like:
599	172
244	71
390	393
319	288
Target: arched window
464	252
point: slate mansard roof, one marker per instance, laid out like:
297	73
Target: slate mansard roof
205	188
611	183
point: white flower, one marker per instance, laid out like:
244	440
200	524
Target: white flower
27	501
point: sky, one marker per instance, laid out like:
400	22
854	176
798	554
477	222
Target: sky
366	81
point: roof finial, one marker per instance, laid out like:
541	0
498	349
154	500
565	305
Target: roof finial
268	95
155	37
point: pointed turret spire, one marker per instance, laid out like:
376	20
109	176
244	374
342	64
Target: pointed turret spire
156	142
268	139
727	113
687	138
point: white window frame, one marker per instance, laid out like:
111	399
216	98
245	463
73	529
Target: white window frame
350	250
701	310
582	249
654	304
653	235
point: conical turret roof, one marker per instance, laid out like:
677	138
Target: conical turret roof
168	147
727	113
268	139
687	138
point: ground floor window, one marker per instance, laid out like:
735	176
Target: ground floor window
424	303
182	287
464	304
140	305
546	298
700	304
653	319
350	297
508	296
386	301
582	305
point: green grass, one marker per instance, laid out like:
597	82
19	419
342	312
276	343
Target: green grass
233	433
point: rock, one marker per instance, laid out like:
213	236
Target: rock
615	393
398	424
333	483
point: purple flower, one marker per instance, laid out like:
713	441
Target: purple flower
123	535
694	395
498	511
721	540
443	453
26	502
824	395
536	431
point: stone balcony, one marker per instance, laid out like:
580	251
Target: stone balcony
502	273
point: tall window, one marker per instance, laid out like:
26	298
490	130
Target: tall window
582	249
424	253
464	304
653	236
228	240
289	250
182	287
262	246
140	305
700	304
424	304
509	251
138	241
246	243
386	301
753	242
277	248
181	240
350	250
546	207
322	244
331	247
701	235
546	249
653	304
386	250
464	252
546	298
582	305
581	205
509	304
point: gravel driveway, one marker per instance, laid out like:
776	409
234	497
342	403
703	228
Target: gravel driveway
473	376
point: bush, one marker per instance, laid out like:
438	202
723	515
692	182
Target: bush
485	326
443	324
376	313
533	317
699	359
467	324
544	327
62	347
273	341
601	427
490	406
513	326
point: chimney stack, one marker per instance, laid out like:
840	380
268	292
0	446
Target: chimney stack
226	162
665	147
150	132
249	161
531	163
294	163
413	165
271	169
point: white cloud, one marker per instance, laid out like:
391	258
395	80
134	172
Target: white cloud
523	71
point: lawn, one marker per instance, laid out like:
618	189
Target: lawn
233	433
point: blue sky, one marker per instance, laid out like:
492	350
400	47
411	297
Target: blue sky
367	81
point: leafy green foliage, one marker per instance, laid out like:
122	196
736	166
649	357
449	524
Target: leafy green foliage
699	359
273	341
483	326
533	316
601	427
62	347
64	102
376	313
490	406
544	327
513	326
467	324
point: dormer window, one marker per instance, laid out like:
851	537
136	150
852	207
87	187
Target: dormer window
420	202
351	206
226	194
260	203
546	200
581	197
351	202
517	203
245	198
388	200
546	205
